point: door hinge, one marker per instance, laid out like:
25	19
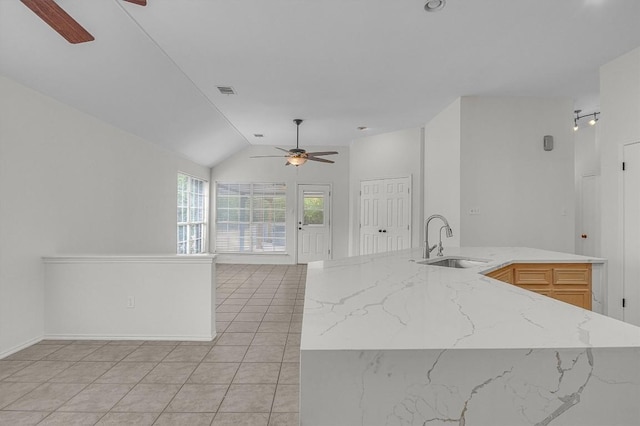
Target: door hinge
624	302
624	166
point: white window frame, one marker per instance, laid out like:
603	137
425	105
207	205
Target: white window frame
251	224
190	223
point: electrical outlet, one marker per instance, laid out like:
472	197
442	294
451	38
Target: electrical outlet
131	302
474	210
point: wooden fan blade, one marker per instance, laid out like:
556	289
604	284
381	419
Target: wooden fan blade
138	2
59	20
322	153
322	160
281	149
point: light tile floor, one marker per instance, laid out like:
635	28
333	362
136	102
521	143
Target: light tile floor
248	376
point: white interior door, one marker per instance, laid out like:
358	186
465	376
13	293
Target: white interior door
385	215
631	233
589	217
314	223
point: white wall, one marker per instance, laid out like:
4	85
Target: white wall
619	125
148	297
242	169
389	155
442	169
526	196
71	184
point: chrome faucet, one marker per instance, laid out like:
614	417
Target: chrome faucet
427	250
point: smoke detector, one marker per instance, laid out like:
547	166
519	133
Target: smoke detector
434	5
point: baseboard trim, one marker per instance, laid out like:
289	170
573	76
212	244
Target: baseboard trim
197	338
20	347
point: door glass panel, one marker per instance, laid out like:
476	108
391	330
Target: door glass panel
313	208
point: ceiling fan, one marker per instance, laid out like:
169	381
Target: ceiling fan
298	156
56	17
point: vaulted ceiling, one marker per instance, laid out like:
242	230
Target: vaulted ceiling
338	64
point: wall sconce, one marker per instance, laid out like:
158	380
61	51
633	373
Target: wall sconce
578	117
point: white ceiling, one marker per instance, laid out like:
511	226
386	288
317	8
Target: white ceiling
338	64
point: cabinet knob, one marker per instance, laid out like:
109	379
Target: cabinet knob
384	230
584	235
379	230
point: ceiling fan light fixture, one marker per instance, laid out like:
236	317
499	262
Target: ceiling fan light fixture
297	161
434	5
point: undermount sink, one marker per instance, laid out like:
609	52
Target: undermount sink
454	262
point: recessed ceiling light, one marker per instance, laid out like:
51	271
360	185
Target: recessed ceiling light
434	5
226	90
258	135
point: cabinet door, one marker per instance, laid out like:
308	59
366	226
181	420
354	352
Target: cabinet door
503	274
579	298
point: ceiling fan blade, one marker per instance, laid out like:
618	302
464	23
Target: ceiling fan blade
322	153
138	2
287	163
322	160
281	149
269	156
59	20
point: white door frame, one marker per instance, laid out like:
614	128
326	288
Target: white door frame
630	304
299	187
595	232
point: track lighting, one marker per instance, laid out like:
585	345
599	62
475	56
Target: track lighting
578	117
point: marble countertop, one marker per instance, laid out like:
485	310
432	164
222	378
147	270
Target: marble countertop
388	301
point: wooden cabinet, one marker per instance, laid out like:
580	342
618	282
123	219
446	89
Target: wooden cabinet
568	282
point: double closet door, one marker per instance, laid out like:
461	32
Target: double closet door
385	215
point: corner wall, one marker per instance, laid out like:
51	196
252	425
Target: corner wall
388	155
71	184
442	169
523	195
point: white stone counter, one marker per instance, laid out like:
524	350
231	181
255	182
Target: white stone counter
388	341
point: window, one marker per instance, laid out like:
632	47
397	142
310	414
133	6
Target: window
192	214
313	208
250	217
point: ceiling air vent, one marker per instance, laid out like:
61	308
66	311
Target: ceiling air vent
226	90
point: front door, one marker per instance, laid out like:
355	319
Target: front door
314	223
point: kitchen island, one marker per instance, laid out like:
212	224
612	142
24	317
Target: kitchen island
388	341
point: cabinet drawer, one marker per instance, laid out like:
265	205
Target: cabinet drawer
535	276
569	275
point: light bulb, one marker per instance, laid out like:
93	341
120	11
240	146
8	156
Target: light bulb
592	122
575	127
